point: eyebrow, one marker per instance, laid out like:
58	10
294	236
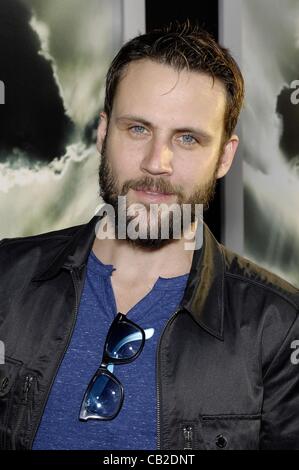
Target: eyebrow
199	132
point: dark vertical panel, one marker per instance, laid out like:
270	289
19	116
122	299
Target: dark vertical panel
162	12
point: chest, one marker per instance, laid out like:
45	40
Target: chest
128	294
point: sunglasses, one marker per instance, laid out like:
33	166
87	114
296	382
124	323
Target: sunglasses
104	395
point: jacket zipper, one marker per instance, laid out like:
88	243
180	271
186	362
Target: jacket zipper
27	386
25	394
188	437
73	273
158	380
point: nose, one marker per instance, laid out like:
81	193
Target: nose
158	159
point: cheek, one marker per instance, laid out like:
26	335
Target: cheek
196	176
195	173
123	164
126	147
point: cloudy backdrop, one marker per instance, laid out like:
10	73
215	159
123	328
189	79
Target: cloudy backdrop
270	129
54	57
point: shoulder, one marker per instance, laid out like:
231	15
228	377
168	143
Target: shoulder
265	301
240	270
35	239
26	255
55	237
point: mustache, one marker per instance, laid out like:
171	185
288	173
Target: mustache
147	183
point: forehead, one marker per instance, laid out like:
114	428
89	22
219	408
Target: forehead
168	97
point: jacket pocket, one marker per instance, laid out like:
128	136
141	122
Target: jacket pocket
9	372
231	432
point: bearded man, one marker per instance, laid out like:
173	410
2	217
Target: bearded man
117	334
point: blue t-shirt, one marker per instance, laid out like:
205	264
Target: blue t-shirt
135	425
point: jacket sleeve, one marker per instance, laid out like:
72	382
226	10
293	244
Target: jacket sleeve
280	413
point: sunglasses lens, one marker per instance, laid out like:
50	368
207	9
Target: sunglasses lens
103	398
124	341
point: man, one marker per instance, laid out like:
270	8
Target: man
138	342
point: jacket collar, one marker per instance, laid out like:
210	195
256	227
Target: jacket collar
204	294
74	253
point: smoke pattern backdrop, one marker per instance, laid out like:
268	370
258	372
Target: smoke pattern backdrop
270	123
54	57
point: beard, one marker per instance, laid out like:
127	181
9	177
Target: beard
110	190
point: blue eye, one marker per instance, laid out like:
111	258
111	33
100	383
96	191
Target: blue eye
138	129
188	139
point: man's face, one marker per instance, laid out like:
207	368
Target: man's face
163	142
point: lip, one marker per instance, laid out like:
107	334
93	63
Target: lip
153	195
156	193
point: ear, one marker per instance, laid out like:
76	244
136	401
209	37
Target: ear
227	156
102	130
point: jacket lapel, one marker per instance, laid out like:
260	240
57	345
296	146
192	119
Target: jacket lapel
204	293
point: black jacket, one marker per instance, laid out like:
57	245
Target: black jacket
227	374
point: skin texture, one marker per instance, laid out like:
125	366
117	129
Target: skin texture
164	134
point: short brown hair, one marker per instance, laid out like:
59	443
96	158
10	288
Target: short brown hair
182	46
